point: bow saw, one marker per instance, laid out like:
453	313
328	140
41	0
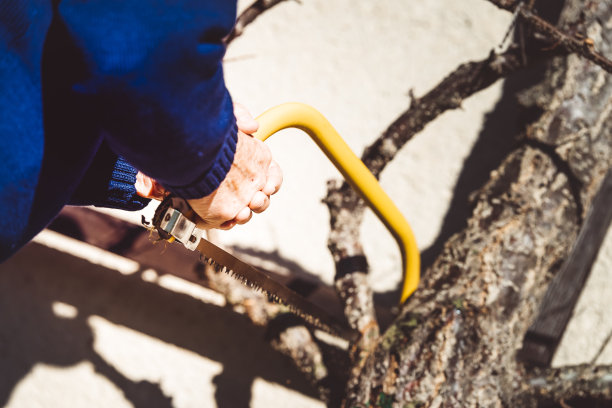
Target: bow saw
172	218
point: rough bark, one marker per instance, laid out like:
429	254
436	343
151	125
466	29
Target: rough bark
455	341
576	40
346	207
581	386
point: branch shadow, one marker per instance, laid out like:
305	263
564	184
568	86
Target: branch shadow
495	141
32	333
498	137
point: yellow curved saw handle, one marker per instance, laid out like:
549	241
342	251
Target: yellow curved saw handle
308	119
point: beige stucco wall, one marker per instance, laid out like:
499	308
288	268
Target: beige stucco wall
83	334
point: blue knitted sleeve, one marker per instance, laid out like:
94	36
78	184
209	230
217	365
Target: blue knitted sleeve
153	78
109	182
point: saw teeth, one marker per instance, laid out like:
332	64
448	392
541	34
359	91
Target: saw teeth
271	297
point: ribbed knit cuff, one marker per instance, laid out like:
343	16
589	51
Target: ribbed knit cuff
122	190
212	178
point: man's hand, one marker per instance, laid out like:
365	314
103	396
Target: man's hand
247	187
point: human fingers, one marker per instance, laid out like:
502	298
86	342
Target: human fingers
149	188
240	192
244	119
274	179
227	225
243	216
260	202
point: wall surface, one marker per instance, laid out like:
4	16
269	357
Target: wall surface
84	328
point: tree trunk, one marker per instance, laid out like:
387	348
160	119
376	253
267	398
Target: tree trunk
455	341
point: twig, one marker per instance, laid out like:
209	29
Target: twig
287	335
582	46
464	81
248	16
509	5
601	348
510	29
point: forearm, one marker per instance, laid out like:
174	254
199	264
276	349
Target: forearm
154	79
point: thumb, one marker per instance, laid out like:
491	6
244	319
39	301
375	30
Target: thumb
148	188
244	119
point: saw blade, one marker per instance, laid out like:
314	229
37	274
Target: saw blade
171	223
279	293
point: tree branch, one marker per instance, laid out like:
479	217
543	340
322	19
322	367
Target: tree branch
455	342
464	81
509	5
346	208
286	333
584	47
248	16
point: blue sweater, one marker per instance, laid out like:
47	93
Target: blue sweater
92	90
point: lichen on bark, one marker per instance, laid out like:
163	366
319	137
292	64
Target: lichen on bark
455	341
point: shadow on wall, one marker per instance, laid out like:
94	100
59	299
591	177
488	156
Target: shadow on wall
499	136
31	333
497	139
